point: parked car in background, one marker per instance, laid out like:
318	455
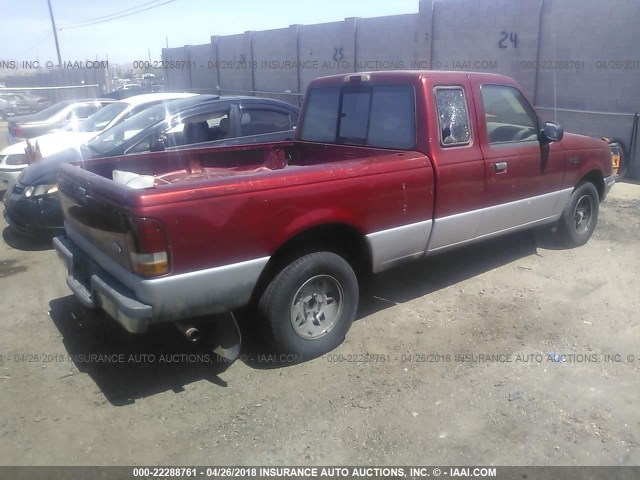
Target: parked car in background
56	116
13	104
32	206
129	86
4	108
16	157
130	89
35	102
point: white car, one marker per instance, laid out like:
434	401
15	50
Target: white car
16	157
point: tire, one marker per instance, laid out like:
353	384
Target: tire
309	306
580	216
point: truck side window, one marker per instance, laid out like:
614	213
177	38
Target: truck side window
508	116
453	117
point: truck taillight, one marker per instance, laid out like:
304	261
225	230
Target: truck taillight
150	252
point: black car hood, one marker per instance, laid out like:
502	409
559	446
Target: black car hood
45	171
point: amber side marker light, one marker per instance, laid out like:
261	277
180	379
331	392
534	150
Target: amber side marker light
616	155
615	159
149	253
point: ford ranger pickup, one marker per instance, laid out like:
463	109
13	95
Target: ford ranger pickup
386	167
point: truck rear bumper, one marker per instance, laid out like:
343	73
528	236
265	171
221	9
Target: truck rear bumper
135	302
96	289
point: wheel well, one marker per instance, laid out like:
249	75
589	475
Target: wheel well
341	239
595	177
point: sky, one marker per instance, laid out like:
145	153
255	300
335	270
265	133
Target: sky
26	32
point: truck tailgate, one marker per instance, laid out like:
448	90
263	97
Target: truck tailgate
98	212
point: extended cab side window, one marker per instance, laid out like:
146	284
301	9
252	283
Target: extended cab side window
453	117
508	116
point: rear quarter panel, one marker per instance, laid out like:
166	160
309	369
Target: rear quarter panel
220	224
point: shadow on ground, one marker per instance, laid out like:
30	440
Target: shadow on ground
411	281
423	277
22	242
127	367
164	360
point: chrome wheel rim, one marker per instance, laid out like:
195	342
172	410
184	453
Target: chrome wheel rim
582	214
316	307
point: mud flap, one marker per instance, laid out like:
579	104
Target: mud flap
228	337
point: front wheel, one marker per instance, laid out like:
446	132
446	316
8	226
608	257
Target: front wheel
580	216
310	304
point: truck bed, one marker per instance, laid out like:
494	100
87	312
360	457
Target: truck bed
245	200
216	166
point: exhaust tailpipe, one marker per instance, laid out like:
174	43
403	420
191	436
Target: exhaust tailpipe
190	332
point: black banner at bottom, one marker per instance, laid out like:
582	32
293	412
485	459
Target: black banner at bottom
321	472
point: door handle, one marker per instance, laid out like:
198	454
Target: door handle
500	167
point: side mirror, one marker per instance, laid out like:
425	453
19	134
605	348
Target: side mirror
552	132
157	145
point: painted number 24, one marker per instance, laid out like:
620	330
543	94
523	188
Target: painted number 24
511	37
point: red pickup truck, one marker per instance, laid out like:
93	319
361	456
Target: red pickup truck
386	167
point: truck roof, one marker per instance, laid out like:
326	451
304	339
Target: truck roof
408	76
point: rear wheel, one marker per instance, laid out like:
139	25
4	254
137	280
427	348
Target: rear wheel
310	304
580	216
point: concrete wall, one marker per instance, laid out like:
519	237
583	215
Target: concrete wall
178	78
329	48
487	35
275	55
581	55
80	79
389	43
233	63
202	79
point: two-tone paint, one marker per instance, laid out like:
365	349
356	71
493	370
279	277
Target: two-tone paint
225	230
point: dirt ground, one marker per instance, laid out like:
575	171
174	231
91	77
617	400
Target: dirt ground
415	399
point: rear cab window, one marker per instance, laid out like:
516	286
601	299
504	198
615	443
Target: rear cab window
380	116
